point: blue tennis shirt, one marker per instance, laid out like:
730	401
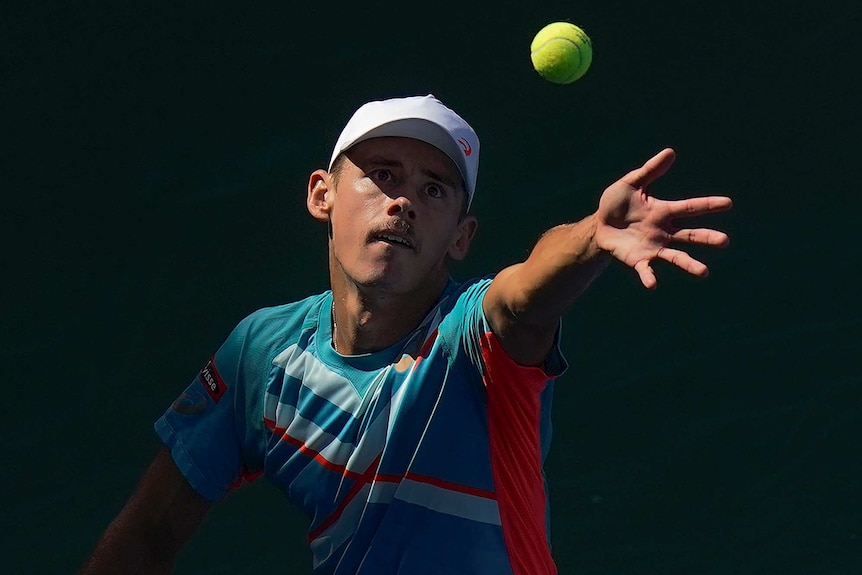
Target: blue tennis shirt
422	458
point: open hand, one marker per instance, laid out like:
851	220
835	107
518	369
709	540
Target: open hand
637	228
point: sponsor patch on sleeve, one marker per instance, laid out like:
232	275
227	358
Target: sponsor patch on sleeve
212	381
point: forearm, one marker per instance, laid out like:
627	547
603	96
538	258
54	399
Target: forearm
525	301
122	551
154	525
559	269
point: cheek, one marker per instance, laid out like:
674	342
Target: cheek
362	201
350	219
444	242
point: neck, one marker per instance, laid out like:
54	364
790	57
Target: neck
365	321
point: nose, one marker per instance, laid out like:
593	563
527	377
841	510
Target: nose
403	206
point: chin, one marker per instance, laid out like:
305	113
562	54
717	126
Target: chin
396	277
397	281
392	281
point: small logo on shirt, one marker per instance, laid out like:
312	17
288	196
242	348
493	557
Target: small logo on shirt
190	403
465	145
212	381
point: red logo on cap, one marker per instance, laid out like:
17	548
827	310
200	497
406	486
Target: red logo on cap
465	145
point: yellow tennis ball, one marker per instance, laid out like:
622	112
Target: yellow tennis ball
561	52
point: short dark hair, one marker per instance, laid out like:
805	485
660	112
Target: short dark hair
338	167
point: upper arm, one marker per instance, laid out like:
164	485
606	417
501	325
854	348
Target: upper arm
159	518
526	342
525	301
165	506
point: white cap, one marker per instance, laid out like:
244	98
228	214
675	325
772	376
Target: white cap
422	118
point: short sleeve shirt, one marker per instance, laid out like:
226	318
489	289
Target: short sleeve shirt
425	457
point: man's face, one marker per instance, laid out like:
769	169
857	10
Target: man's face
396	216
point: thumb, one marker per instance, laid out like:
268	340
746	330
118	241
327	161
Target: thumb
653	169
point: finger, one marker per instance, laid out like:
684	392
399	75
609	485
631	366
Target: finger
646	274
699	206
702	236
683	261
653	169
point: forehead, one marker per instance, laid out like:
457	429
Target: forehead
408	152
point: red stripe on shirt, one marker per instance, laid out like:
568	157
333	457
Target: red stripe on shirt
354	491
311	453
514	411
457	487
426	347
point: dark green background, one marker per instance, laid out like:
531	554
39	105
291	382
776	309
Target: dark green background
154	172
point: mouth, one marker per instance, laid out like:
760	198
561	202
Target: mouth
394	239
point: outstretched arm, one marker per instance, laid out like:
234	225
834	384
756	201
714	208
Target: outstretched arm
525	301
157	521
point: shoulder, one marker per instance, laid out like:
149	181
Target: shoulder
280	322
466	296
461	314
286	312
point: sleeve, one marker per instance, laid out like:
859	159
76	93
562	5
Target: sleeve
207	427
479	340
519	433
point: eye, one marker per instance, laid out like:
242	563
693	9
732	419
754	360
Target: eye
435	191
383	175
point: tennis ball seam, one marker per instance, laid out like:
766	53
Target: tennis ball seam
569	40
571	77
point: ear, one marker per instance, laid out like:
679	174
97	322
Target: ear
466	230
320	195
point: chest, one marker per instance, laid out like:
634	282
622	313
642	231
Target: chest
335	431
